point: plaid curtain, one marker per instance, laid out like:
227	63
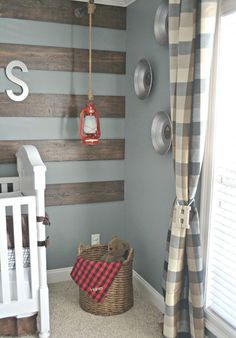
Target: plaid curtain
191	34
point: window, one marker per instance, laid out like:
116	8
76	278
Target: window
218	203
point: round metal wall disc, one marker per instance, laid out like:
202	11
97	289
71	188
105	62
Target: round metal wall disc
161	132
161	23
143	79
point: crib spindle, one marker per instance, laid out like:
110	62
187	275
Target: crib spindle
33	246
4	257
15	185
18	250
4	187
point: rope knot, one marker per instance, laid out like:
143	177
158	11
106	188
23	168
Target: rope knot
91	8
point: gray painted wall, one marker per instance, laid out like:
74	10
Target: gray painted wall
149	182
210	335
69	224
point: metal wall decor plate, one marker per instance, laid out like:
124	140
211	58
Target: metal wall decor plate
161	132
143	78
161	23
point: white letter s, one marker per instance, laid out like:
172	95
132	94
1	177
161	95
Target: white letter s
22	84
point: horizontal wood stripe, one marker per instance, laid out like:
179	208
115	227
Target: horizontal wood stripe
88	192
66	150
62	11
62	59
59	105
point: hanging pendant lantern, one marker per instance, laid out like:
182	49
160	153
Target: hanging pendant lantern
89	125
90	131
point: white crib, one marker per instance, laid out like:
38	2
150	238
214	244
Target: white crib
24	291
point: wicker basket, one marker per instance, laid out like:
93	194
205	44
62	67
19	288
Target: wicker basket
119	298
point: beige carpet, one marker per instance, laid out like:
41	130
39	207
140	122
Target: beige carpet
69	321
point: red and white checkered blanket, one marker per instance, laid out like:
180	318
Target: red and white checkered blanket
94	278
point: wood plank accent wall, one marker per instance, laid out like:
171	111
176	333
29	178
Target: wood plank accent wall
62	59
60	105
88	192
66	150
62	11
48	58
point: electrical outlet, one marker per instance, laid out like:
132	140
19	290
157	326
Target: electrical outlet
95	239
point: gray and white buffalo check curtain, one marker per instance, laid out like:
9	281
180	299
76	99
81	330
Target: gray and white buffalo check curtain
191	35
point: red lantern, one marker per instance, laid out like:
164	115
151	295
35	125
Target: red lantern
89	118
89	125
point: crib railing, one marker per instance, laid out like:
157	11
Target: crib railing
13	307
9	184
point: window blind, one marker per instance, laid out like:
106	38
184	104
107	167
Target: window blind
218	198
221	296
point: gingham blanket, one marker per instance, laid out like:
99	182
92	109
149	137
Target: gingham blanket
94	278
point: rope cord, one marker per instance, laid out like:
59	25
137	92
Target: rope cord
91	10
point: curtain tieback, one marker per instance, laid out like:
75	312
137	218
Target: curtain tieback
181	215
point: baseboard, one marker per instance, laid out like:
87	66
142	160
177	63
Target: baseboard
148	292
59	275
